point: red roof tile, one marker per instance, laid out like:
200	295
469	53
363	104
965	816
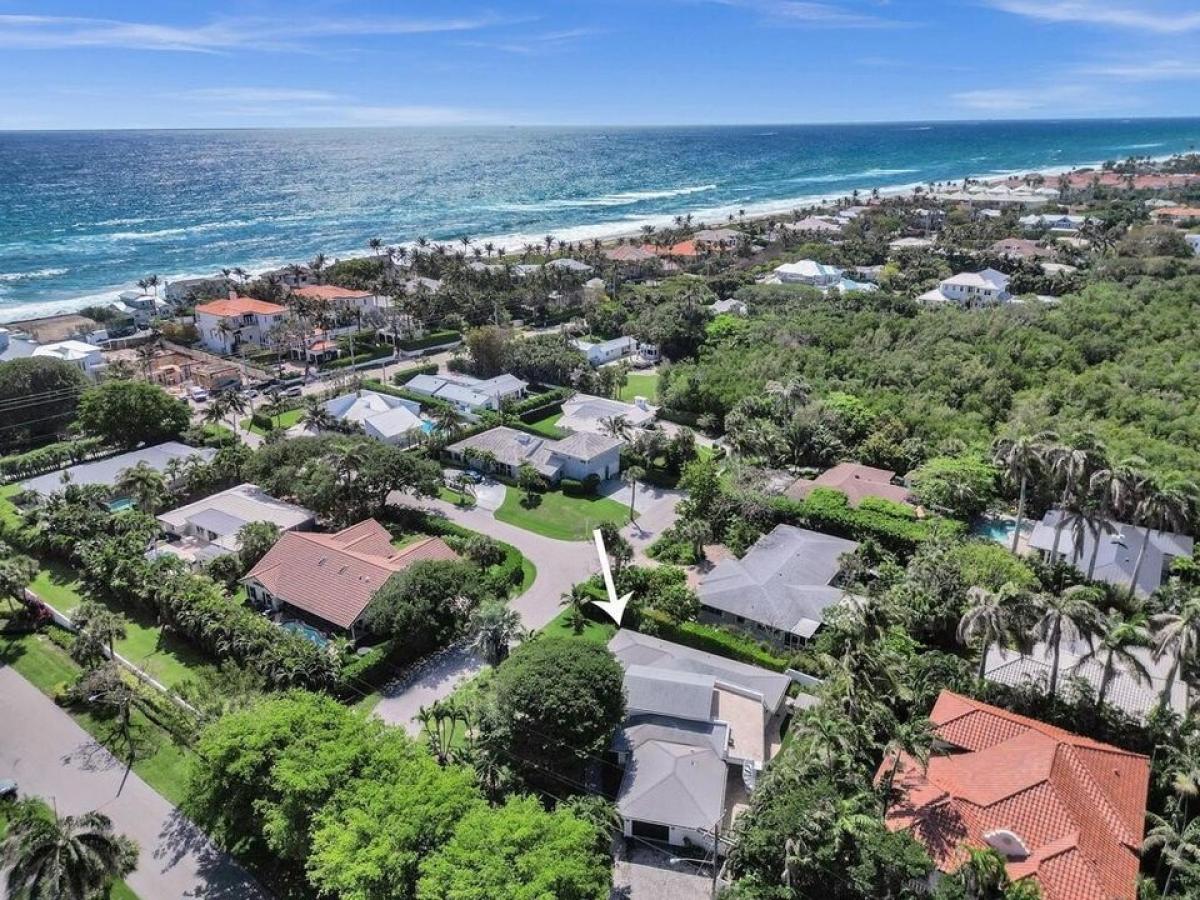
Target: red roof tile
855	481
1076	804
240	306
328	292
336	576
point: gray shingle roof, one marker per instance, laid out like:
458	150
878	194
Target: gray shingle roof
672	783
784	581
1119	546
633	649
685	695
107	471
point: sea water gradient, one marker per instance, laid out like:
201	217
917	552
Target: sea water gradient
85	214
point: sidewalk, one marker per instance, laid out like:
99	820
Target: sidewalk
51	757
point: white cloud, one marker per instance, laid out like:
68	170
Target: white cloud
259	95
536	43
812	15
23	32
1156	70
1144	16
1064	98
416	115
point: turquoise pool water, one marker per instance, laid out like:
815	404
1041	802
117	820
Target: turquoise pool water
998	530
427	427
120	505
305	630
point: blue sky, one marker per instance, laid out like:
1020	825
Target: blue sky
218	63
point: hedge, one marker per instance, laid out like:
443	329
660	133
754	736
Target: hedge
538	406
829	511
379	351
403	378
433	339
432	403
715	640
51	457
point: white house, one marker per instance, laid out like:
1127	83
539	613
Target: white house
224	325
1052	222
1194	240
809	272
971	289
607	351
468	394
88	358
573	266
343	298
393	420
505	450
585	412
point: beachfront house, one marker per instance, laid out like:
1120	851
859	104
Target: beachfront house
698	730
1056	222
971	289
225	325
328	581
87	358
1065	811
1110	551
808	272
504	450
341	298
467	394
208	528
781	588
816	225
182	291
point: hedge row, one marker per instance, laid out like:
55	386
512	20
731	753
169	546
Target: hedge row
378	351
403	378
539	406
51	457
433	339
431	403
713	640
829	511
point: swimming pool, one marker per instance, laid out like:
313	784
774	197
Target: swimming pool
428	427
120	505
307	631
998	530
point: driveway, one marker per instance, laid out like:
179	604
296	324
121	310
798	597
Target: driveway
560	565
53	758
646	873
656	512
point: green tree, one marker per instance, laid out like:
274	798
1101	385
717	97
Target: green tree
1069	616
631	476
128	413
1020	461
576	600
68	858
989	618
1178	634
255	539
960	486
518	851
494	625
530	482
1115	648
427	604
39	396
98	629
1169	506
144	485
16	573
557	701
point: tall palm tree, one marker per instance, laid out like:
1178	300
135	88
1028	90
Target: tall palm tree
375	244
631	477
494	625
1020	461
1072	465
316	417
1117	640
576	600
233	405
989	618
1069	616
1177	633
69	858
915	739
1115	491
615	427
143	484
1161	506
98	628
1180	847
825	736
790	393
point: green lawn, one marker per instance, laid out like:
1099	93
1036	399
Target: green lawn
156	759
453	496
283	420
555	515
58	584
547	428
641	386
597	632
9	517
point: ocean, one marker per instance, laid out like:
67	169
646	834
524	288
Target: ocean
83	215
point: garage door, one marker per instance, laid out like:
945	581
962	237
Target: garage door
650	831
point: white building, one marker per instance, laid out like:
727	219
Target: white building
1063	224
607	351
468	394
209	528
504	450
585	412
224	325
809	272
393	420
971	289
340	297
1194	240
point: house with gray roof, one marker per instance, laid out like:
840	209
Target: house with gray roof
467	394
601	352
1116	547
106	472
698	730
586	412
1134	687
504	450
781	588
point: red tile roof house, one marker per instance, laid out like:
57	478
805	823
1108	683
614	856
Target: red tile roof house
854	480
331	579
223	325
1061	809
348	298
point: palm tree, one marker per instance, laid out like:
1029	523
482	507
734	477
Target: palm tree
375	244
1072	465
825	736
1177	633
1180	848
1115	491
631	477
1163	507
914	739
988	618
1021	460
495	625
1070	615
316	417
233	406
576	600
615	427
790	393
72	858
1119	637
98	628
143	484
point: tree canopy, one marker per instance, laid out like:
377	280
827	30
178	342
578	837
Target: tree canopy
128	413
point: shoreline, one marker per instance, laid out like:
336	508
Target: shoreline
608	232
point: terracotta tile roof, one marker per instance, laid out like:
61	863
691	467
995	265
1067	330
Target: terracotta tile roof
629	253
328	292
1077	805
855	481
240	306
336	576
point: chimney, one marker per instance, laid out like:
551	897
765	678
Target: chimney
232	294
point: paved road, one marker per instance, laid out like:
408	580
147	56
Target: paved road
52	757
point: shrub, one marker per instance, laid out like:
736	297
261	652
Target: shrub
402	378
829	511
433	339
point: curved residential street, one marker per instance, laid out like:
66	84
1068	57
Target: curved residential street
560	565
51	757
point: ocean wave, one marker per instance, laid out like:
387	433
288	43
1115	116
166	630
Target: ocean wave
624	198
1138	146
107	223
846	176
33	275
172	232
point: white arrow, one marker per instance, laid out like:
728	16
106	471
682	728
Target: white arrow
614	606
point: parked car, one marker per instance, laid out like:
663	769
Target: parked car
197	394
295	391
249	394
472	476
